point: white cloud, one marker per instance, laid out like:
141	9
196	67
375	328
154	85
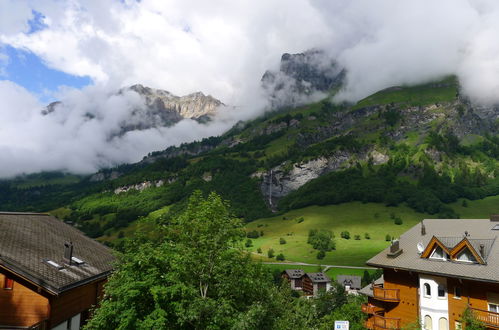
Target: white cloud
222	47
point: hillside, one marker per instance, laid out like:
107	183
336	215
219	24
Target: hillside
420	148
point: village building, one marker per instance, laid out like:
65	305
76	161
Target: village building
313	283
434	272
351	283
294	277
51	274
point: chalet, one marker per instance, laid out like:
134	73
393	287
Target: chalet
294	277
50	273
312	283
351	283
434	272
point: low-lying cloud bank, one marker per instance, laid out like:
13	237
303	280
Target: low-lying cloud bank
222	48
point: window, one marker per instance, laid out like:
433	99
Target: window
465	256
438	253
8	283
427	290
493	308
427	323
457	292
441	291
442	324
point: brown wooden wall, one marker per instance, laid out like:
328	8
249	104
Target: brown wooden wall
307	285
408	307
75	301
472	292
21	306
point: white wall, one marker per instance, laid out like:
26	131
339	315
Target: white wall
75	323
434	306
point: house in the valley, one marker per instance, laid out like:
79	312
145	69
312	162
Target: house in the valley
313	283
434	272
294	277
351	283
51	274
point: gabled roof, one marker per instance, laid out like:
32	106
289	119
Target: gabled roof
318	277
469	233
434	242
294	273
351	280
29	240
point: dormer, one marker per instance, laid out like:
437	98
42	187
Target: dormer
435	250
463	251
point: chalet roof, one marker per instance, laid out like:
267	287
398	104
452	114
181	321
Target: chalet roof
318	277
449	232
368	289
350	280
29	240
294	273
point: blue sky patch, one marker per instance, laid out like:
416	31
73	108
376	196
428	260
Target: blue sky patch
28	70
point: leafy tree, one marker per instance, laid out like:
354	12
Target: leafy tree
249	243
321	240
271	253
282	241
280	257
193	275
345	235
367	236
388	238
327	301
259	250
470	321
321	254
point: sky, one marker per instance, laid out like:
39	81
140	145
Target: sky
82	51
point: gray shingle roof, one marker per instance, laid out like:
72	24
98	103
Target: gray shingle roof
351	280
449	232
319	277
295	273
368	289
28	240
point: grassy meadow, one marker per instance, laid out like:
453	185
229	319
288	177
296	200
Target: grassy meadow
358	219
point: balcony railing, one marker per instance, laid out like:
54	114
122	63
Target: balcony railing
381	322
381	293
371	309
490	319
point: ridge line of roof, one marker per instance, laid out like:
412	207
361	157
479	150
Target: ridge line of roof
23	213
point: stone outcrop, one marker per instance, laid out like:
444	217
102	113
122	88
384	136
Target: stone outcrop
139	186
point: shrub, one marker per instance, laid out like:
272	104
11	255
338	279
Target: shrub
388	238
248	243
280	257
367	236
271	253
398	221
259	250
464	203
253	234
321	254
282	241
345	235
357	237
300	219
261	232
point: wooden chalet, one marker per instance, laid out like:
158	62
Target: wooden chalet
436	271
51	274
313	283
294	277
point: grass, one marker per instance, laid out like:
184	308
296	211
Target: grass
420	95
356	218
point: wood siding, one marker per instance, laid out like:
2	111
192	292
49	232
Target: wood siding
408	307
21	306
472	292
307	285
74	301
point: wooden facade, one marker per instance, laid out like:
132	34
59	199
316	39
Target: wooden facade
398	313
27	304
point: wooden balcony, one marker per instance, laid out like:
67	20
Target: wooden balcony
369	324
381	322
380	293
490	319
371	309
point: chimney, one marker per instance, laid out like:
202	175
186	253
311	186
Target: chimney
494	217
68	252
482	250
395	249
423	228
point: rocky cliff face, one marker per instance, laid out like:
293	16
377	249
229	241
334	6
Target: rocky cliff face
302	77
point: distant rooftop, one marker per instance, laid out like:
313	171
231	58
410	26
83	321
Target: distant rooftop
318	277
32	245
351	280
294	273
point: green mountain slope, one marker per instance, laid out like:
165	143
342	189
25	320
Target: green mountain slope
421	147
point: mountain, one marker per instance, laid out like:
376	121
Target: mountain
302	78
422	146
160	108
